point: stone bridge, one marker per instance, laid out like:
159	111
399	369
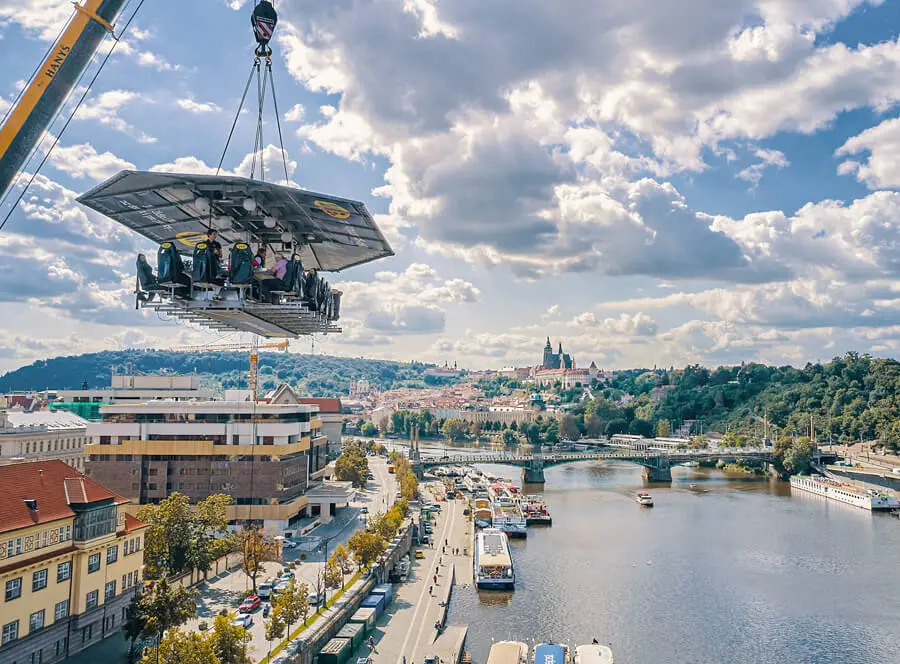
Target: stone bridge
657	464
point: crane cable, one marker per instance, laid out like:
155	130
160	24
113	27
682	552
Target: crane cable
72	114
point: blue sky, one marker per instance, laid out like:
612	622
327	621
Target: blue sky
648	184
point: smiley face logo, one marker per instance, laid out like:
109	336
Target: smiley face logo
190	238
332	209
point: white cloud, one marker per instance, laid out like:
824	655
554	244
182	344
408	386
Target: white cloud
105	107
768	158
83	160
882	168
192	106
295	114
155	61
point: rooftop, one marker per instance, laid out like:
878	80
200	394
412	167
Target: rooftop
54	486
41	420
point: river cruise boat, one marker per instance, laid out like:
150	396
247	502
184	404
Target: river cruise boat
593	654
481	508
535	510
493	564
644	499
509	519
508	652
551	653
845	493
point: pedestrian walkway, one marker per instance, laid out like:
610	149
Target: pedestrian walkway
407	629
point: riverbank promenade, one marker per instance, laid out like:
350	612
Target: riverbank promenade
407	628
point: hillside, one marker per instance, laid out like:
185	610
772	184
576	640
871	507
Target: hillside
320	375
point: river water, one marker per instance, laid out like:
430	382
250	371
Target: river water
735	570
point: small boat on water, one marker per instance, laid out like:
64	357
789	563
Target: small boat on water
551	653
535	510
594	653
508	652
493	565
691	464
644	499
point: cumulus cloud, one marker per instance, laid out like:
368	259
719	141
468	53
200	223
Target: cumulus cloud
767	159
155	61
105	107
83	160
882	167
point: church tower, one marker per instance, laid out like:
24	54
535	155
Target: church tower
547	361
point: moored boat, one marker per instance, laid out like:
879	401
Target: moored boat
845	493
551	653
508	652
536	512
644	499
482	512
509	519
493	565
594	653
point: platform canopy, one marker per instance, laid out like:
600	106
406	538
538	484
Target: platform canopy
328	232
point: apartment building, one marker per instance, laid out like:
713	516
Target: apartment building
70	561
263	455
42	434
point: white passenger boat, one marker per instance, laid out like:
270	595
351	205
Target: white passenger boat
593	654
508	652
493	565
509	518
845	493
644	498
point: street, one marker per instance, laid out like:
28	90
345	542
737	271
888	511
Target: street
226	591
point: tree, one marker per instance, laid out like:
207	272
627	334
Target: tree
209	524
663	429
568	428
178	647
409	486
255	550
455	428
614	427
643	428
510	438
352	466
291	601
798	457
134	626
274	628
368	430
229	641
365	547
343	556
334	573
593	426
162	607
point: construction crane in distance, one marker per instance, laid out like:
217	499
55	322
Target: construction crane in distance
252	348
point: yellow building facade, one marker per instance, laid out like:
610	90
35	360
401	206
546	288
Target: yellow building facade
71	559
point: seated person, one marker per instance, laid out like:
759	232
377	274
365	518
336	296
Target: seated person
310	289
276	282
259	261
214	248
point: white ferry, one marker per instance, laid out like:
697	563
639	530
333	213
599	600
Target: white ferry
508	652
644	498
493	564
845	493
509	519
593	654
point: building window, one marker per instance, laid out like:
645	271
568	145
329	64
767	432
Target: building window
61	610
65	533
39	580
10	548
36	621
112	554
62	646
13	589
94	563
110	590
90	601
64	572
10	632
18	545
96	523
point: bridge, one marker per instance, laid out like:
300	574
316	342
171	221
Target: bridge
657	464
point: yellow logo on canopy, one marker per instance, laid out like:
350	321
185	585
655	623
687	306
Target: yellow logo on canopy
190	238
332	209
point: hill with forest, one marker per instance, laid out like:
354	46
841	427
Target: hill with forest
319	375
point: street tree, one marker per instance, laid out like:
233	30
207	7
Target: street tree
209	526
167	540
134	626
178	647
365	547
352	466
274	628
164	606
334	574
255	550
289	601
343	556
229	641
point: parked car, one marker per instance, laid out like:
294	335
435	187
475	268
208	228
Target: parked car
432	659
281	586
313	598
420	555
363	660
364	509
288	544
250	604
286	576
370	476
264	590
244	620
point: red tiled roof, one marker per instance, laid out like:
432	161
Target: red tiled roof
48	482
325	405
132	524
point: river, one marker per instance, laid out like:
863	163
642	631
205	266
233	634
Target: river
736	570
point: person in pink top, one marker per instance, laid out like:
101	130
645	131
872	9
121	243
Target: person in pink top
276	281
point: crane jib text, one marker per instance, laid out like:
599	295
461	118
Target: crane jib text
58	59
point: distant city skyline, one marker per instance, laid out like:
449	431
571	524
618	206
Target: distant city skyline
721	186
